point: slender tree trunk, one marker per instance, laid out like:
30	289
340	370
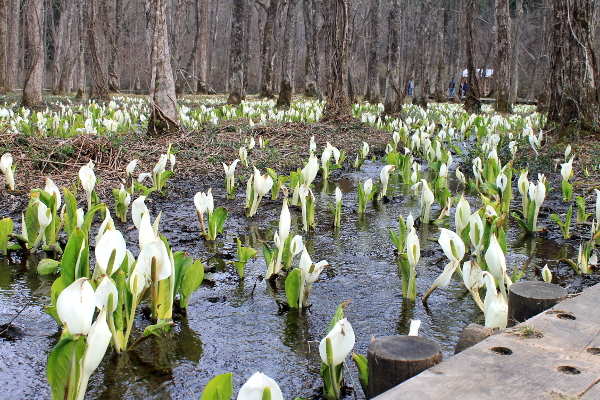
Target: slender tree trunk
4	6
424	50
311	66
338	102
98	84
12	49
287	65
236	71
393	89
441	85
472	101
267	50
202	54
164	116
574	78
373	91
501	75
62	45
82	7
34	28
514	56
114	81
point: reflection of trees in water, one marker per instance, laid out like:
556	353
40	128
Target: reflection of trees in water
148	368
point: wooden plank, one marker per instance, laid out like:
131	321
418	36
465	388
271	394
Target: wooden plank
556	365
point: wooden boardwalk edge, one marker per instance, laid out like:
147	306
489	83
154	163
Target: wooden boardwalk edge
554	355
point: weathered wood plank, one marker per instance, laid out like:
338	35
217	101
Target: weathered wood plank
556	365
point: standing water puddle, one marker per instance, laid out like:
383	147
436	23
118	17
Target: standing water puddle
236	326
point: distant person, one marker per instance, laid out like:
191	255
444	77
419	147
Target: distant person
460	90
411	87
451	86
465	87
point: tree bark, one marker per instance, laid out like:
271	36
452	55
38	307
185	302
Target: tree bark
574	79
4	5
441	79
424	47
202	55
514	57
114	81
33	17
236	71
311	66
267	50
501	74
393	89
287	65
164	116
373	91
338	102
472	101
82	16
98	84
62	46
12	49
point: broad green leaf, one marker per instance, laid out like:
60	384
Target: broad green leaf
65	355
75	262
47	266
6	229
293	286
157	329
89	217
363	369
339	314
182	264
218	388
191	281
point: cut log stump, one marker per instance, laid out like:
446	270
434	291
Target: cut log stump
528	299
394	359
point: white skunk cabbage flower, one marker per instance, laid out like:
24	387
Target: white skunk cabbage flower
52	189
384	175
310	170
260	387
495	304
97	341
76	305
341	340
6	166
112	240
138	207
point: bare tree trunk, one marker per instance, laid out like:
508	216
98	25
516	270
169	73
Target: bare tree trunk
514	56
441	87
574	78
424	47
472	101
3	43
373	91
393	89
236	72
311	66
82	7
98	85
34	28
62	45
501	75
338	102
287	65
114	82
164	116
202	56
12	49
267	50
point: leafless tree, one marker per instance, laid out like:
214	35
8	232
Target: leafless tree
373	92
393	89
287	65
236	79
33	13
502	72
574	76
473	96
164	115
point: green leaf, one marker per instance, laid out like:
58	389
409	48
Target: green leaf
293	286
75	262
182	265
339	314
244	253
89	217
191	281
65	355
521	223
363	370
240	267
70	211
6	229
47	266
157	329
267	253
218	388
31	221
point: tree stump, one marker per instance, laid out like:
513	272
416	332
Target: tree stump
471	335
527	299
394	359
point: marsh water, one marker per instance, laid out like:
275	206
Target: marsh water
236	326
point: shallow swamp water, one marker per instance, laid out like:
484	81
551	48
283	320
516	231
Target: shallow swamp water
236	326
